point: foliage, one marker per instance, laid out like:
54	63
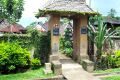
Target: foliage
32	25
118	31
66	43
41	42
65	21
62	44
117	58
112	78
108	61
35	63
111	61
115	70
2	9
117	18
112	13
28	75
11	10
28	41
101	35
69	51
13	58
22	40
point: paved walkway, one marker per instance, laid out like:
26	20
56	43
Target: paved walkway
74	71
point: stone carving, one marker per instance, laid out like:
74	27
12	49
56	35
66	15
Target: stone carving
47	69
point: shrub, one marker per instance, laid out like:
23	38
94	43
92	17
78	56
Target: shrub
62	44
66	45
22	39
108	61
69	51
13	58
35	63
111	61
117	58
41	42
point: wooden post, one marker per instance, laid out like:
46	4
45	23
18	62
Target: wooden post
80	38
53	22
76	38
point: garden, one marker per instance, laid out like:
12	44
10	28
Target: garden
16	60
23	56
107	58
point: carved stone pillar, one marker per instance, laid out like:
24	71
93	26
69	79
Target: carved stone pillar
76	38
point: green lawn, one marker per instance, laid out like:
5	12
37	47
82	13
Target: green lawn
32	74
107	71
112	78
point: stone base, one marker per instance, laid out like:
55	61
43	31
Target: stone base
53	57
83	57
57	67
47	71
88	65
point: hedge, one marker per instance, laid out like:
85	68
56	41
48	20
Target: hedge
21	39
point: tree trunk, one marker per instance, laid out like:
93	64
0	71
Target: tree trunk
98	59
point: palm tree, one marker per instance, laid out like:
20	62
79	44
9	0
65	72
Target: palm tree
112	13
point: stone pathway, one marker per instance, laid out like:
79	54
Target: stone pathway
74	71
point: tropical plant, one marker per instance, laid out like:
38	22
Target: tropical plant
66	43
2	9
62	44
112	61
41	43
35	63
13	58
112	13
11	10
31	26
117	58
99	36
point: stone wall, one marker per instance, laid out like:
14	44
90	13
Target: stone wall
116	44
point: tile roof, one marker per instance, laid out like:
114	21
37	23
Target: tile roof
3	23
15	28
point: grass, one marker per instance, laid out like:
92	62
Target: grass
107	71
112	78
29	75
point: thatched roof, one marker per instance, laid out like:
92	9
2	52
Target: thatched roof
67	6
